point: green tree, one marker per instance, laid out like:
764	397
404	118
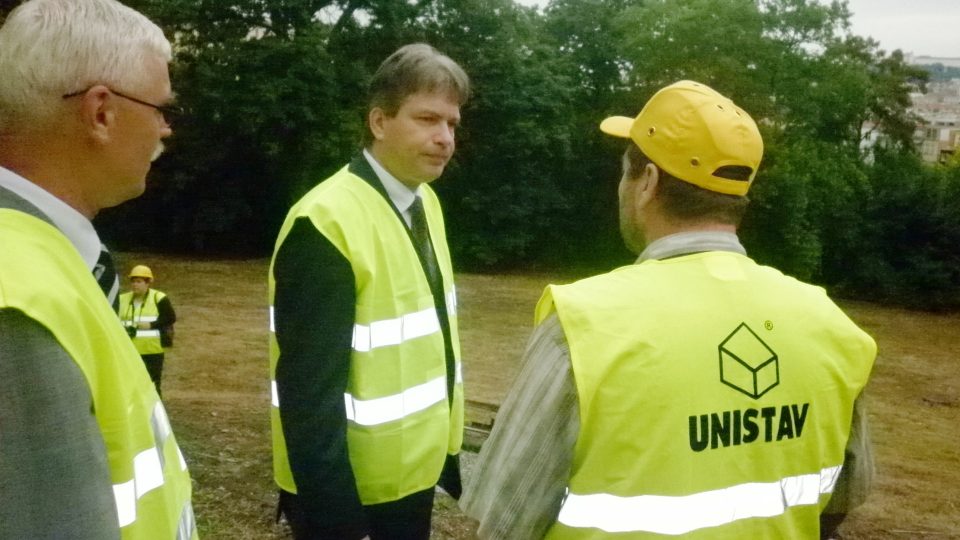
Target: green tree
262	91
811	86
503	196
589	42
911	249
275	92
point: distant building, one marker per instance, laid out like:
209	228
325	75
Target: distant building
939	142
930	60
938	135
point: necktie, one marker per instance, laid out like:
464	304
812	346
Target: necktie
106	276
421	240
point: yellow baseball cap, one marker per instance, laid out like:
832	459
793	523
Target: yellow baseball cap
697	135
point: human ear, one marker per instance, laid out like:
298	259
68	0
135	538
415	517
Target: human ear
375	120
98	114
647	185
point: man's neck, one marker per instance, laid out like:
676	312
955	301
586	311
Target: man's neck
44	165
691	242
383	161
658	227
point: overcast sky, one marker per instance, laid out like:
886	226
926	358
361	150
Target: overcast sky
923	27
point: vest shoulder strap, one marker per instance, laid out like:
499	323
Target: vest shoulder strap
12	201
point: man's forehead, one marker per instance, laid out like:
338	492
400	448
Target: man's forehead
432	100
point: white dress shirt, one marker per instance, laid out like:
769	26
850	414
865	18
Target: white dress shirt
74	225
401	195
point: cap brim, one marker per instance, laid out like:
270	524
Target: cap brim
618	126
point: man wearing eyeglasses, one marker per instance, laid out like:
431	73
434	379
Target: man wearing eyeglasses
87	450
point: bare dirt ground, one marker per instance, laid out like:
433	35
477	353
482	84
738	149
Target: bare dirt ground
217	393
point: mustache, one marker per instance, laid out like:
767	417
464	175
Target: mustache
158	151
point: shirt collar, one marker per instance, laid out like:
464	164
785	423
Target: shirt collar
401	195
74	225
691	242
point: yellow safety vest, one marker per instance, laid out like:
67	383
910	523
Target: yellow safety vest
44	277
401	425
715	399
147	341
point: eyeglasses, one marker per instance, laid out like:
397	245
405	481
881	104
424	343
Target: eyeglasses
168	112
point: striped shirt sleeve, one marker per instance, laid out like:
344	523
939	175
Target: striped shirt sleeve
517	487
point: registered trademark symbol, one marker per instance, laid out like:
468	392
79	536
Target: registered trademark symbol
768	325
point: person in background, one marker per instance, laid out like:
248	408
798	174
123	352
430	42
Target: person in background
86	450
695	393
364	353
148	317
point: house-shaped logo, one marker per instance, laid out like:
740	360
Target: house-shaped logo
747	364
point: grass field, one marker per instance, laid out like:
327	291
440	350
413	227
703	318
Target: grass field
217	394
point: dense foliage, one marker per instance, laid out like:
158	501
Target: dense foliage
275	94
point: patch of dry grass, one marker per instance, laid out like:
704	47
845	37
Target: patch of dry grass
217	391
914	405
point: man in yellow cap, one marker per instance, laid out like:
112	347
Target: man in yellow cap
148	317
694	393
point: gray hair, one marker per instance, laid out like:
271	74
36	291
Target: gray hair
411	69
49	48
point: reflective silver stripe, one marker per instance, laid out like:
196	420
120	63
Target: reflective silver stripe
187	523
395	331
126	496
147	476
828	478
148	472
392	331
275	396
372	412
452	301
161	429
160	423
147	469
679	515
150	332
